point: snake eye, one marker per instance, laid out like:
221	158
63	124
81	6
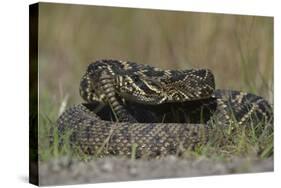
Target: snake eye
135	78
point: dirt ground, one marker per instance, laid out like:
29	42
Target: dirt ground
67	171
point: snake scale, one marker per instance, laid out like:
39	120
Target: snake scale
131	107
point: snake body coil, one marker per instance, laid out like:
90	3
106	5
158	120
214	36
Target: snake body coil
132	107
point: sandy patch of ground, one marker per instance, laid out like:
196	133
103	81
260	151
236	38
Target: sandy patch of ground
67	171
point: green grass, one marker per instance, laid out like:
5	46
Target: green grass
238	49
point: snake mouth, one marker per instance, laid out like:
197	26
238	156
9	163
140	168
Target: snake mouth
142	99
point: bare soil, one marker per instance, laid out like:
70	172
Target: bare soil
68	171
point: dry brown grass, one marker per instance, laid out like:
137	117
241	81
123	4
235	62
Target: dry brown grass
238	49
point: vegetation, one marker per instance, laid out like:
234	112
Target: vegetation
238	49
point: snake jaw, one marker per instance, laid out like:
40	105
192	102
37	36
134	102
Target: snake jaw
142	99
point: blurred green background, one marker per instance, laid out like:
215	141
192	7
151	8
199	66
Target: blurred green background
238	49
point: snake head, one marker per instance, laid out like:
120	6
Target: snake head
145	84
172	86
140	89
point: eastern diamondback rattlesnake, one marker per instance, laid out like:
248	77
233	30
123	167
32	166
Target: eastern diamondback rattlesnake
154	112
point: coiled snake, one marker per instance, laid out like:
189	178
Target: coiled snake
152	112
